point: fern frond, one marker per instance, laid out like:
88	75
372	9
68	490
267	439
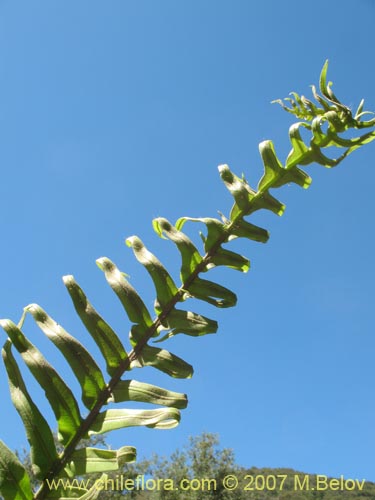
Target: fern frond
326	120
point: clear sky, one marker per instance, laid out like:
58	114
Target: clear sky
113	113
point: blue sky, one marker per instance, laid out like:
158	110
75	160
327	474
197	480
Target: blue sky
113	113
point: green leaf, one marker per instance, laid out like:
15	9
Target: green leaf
164	361
106	339
267	202
243	229
273	169
320	100
110	420
320	138
213	293
310	109
230	259
39	435
300	113
359	111
274	173
164	284
247	200
189	254
129	298
94	460
59	395
326	89
336	124
323	78
300	153
364	139
216	230
240	190
322	159
14	481
295	175
81	362
188	323
131	390
298	100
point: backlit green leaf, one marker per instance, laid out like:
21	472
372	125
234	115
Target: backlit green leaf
164	361
273	168
14	481
59	395
129	298
213	293
240	190
94	460
81	362
243	229
164	284
189	323
247	200
230	259
106	339
190	255
216	230
275	174
110	420
131	390
39	435
300	153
